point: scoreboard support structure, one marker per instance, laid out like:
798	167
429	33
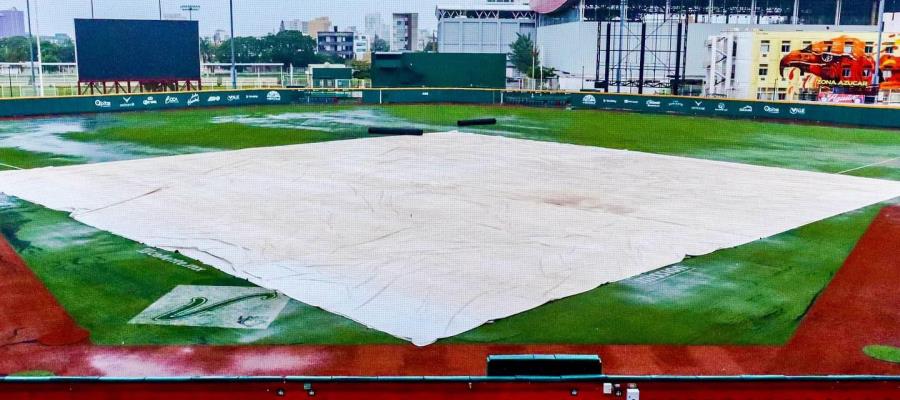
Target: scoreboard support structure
114	87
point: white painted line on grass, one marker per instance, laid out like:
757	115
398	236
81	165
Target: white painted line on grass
870	165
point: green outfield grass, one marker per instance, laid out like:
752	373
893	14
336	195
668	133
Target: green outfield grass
753	294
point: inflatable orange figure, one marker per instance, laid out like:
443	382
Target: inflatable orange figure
840	60
890	66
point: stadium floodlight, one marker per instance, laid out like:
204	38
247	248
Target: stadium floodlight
233	66
40	60
31	46
190	8
877	79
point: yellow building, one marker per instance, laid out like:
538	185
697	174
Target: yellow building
748	64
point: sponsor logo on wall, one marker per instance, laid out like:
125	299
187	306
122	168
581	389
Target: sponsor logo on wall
772	110
149	101
234	97
798	111
251	96
746	109
103	103
172	100
589	100
698	105
631	101
676	103
213	99
126	102
721	107
611	101
275	96
195	98
653	103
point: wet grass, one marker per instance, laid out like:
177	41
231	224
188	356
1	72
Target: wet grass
194	128
753	294
805	147
889	354
11	158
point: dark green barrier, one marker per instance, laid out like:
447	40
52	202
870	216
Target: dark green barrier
800	112
141	102
389	96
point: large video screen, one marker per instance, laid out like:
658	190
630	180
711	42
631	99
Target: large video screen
137	50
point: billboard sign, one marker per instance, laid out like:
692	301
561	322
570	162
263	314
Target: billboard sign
844	64
137	50
842	98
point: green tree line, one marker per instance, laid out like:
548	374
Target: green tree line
287	47
15	49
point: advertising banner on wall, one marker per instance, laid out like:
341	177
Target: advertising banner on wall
844	64
842	98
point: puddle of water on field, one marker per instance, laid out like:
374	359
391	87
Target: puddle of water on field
346	121
45	135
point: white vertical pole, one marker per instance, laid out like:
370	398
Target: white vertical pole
795	19
837	12
877	79
30	50
753	12
37	29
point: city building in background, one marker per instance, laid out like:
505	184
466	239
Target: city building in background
57	39
175	17
294	25
646	46
404	32
220	36
12	23
321	24
336	43
483	26
799	65
362	47
375	26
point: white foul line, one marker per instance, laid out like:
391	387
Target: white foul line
867	166
10	166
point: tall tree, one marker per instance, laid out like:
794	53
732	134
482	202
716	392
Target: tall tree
207	50
361	69
380	44
290	47
523	54
14	49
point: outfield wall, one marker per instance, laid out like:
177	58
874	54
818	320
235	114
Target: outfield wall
25	107
857	115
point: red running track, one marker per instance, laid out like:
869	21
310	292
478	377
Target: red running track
860	307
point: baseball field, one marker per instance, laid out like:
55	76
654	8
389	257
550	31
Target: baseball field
739	303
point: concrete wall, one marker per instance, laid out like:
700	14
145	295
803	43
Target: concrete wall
698	34
571	48
464	35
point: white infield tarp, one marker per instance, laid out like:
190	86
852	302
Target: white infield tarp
428	237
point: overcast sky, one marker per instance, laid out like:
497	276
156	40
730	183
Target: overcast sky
252	17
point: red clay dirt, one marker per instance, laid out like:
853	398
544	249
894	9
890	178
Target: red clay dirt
29	313
860	307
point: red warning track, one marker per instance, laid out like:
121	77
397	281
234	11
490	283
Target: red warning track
28	312
861	307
